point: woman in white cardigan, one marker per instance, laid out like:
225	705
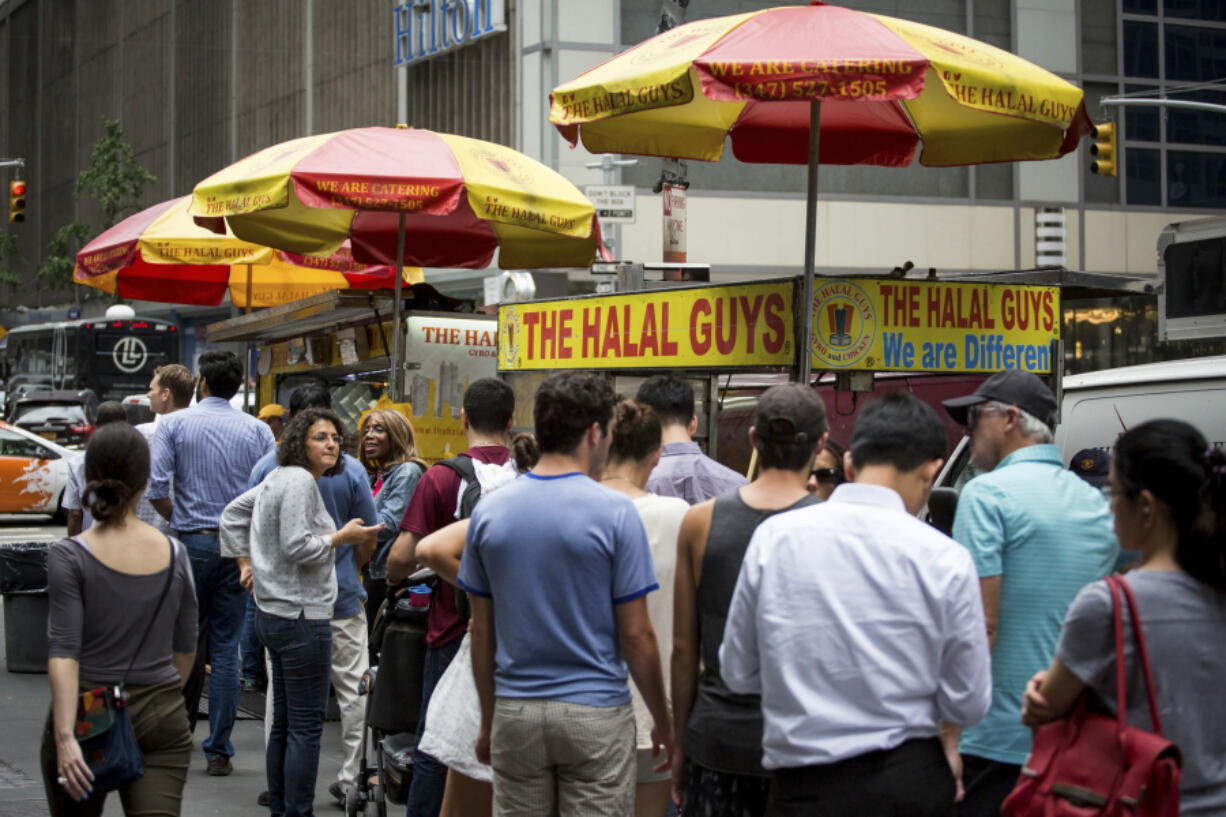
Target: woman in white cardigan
283	536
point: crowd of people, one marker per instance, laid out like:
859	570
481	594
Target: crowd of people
621	625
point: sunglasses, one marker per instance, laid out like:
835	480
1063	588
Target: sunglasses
827	476
977	411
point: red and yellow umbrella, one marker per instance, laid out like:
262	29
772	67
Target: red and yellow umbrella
886	86
451	200
161	254
820	83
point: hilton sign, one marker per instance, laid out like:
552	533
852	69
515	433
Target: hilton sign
428	28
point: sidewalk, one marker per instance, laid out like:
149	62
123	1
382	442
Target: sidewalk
24	700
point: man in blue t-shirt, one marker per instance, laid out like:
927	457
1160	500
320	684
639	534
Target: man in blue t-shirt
557	568
346	496
1037	533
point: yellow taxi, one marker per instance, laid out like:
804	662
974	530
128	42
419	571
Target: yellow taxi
33	472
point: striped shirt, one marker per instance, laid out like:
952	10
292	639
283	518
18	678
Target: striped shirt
1047	533
208	452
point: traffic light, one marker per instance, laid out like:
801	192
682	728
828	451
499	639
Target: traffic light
1104	149
17	202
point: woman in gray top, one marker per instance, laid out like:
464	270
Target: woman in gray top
1168	494
105	588
283	537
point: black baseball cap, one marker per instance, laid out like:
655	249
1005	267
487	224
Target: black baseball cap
1093	465
1012	387
790	413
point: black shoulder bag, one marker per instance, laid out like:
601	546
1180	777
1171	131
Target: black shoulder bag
103	728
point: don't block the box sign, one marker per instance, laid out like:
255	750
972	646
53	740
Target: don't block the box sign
427	28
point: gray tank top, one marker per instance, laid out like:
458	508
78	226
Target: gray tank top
724	731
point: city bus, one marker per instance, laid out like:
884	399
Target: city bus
113	357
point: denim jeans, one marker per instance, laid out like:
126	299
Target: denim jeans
221	600
301	655
429	776
250	648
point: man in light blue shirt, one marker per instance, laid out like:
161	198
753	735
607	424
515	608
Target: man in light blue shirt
566	565
346	496
208	452
1038	534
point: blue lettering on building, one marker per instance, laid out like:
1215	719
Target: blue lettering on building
427	28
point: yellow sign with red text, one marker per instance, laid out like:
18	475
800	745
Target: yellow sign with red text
703	327
932	326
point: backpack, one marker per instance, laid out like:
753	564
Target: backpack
476	480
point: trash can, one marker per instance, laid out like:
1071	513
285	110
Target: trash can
23	582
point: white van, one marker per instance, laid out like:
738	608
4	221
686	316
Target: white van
1099	406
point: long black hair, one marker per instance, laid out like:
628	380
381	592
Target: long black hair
1172	460
116	469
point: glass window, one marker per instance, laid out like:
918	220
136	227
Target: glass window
1193	127
1195	179
1195	9
1194	54
1141	124
36	413
15	445
1140	49
1140	6
1143	169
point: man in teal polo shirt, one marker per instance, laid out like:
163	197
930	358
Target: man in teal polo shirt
1038	533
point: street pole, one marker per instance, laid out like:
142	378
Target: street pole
609	165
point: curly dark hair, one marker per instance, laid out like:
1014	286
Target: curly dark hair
293	450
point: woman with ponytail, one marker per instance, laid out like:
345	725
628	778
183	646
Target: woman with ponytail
1168	495
122	611
633	452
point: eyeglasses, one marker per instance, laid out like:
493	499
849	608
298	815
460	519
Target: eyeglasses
977	411
325	437
375	428
827	476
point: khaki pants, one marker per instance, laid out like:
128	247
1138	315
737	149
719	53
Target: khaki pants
350	658
160	724
552	757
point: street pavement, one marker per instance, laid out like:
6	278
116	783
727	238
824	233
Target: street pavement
24	701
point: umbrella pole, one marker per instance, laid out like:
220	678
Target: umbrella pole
247	356
397	365
804	339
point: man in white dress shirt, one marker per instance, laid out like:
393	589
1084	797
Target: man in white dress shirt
862	629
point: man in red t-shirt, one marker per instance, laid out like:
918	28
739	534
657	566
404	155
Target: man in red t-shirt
489	405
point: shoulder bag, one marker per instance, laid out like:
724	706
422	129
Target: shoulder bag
103	729
1090	764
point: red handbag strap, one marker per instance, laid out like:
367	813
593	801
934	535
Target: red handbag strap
1118	586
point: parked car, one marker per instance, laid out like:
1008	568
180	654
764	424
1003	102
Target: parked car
33	472
64	416
136	406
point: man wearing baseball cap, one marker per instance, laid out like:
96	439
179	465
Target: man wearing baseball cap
1037	534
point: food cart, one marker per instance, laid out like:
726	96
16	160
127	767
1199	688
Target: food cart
341	340
935	338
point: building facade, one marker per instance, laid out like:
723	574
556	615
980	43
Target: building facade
197	84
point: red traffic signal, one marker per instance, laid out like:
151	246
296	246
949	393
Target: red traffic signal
17	202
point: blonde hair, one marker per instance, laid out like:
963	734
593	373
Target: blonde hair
399	434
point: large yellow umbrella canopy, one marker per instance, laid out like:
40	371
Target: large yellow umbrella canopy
886	86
